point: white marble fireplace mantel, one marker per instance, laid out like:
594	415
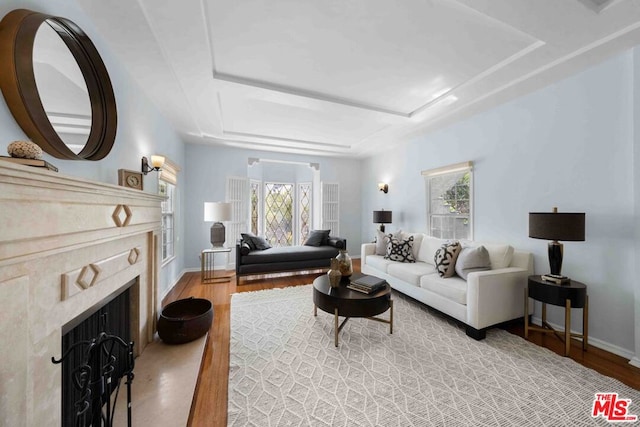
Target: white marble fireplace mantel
66	244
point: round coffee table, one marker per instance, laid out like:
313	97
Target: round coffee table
342	301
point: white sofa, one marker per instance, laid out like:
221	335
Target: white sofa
485	299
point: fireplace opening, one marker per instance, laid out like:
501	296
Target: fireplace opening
97	360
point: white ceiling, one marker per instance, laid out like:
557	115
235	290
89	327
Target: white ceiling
349	77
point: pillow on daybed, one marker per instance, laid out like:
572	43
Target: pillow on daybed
472	259
317	238
400	250
255	242
445	258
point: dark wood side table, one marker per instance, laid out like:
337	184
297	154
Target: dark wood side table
570	295
342	301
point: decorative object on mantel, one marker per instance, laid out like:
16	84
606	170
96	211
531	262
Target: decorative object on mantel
344	263
382	217
39	163
27	153
24	150
129	178
557	226
383	187
156	163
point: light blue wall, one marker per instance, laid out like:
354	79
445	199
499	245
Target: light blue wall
568	145
209	167
142	130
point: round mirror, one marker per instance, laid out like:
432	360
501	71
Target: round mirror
56	85
63	92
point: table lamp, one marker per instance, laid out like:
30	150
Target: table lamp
382	217
217	212
556	226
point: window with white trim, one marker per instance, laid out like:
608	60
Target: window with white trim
450	201
167	184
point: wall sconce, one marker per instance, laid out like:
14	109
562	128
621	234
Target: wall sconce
383	187
156	163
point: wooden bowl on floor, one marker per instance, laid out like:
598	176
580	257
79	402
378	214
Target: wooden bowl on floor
185	320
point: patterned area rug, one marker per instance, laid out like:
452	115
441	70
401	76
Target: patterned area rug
286	371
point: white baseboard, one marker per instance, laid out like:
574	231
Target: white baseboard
176	282
635	361
604	345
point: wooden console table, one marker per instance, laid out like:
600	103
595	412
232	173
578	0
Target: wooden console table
570	295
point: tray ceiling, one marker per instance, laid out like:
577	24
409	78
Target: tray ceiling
349	77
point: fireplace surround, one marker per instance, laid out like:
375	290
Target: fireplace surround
66	245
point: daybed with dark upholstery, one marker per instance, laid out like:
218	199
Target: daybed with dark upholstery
251	261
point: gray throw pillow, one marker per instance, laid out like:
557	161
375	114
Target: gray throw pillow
317	238
472	259
382	240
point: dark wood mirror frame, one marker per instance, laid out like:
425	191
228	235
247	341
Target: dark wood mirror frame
17	80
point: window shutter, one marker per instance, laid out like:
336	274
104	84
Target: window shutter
238	196
330	195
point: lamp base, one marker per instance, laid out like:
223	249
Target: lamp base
556	250
217	234
382	227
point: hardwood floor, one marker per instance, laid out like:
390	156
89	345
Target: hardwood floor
209	406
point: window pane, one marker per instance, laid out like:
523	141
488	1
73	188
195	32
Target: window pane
449	205
168	190
278	204
255	207
304	192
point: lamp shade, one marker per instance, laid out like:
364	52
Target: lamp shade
382	217
565	226
217	211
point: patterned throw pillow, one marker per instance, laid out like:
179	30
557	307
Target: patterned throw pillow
400	250
445	258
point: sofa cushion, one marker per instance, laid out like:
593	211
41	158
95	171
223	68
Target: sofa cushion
472	259
400	250
453	288
289	254
428	248
499	254
445	258
378	262
317	238
410	272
